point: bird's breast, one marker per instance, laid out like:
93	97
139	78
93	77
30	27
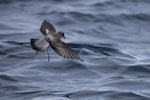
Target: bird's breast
53	38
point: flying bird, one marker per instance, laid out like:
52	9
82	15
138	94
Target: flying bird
52	39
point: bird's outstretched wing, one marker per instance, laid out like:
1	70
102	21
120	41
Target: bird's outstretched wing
63	50
47	25
32	42
39	44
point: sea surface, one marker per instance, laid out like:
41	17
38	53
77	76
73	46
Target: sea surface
112	37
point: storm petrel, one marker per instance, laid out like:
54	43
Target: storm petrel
52	38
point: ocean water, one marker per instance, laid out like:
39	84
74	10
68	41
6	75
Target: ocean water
112	37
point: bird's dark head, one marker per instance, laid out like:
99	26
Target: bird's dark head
61	34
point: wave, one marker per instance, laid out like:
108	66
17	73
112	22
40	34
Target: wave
105	95
109	68
117	19
7	78
138	70
104	49
112	3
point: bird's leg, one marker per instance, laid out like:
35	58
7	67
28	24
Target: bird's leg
36	53
48	55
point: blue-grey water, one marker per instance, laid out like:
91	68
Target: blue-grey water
112	37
